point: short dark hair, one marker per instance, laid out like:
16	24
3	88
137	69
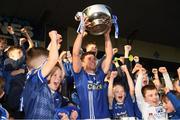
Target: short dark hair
35	52
91	43
87	53
147	87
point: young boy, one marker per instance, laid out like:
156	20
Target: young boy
120	100
148	100
40	98
171	102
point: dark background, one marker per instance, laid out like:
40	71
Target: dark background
155	21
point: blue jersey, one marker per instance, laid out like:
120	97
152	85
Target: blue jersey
92	94
38	101
125	109
176	104
3	113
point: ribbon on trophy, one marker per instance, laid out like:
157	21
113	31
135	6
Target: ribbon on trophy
79	16
114	20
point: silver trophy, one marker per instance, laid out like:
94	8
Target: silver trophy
100	17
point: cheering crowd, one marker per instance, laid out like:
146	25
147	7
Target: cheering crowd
32	82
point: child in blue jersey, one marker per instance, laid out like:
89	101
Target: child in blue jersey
40	98
14	65
120	100
89	80
171	102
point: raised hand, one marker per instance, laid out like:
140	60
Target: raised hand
162	70
136	67
113	74
166	90
127	48
115	50
124	68
10	30
53	35
23	30
136	59
154	71
22	41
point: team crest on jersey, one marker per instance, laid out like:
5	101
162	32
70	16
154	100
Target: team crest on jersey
94	85
160	112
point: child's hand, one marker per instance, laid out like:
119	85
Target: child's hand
166	90
163	70
74	115
63	116
136	67
53	35
10	30
22	41
136	59
115	50
113	74
154	71
127	48
61	56
23	30
124	68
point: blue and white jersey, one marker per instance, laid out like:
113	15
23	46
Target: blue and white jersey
92	94
37	99
3	113
125	109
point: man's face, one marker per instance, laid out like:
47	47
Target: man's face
152	97
55	80
89	62
91	48
168	105
119	93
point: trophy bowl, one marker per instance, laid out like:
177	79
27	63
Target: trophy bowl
100	17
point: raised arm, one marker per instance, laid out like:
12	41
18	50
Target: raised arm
127	49
129	80
61	63
156	80
108	51
167	80
76	53
110	88
11	31
138	87
30	42
53	54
